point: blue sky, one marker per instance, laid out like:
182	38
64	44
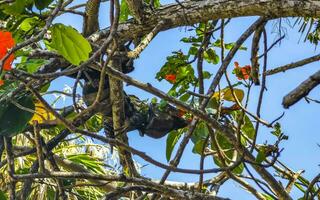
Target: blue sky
299	122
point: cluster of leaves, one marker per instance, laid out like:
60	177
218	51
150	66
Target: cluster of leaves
223	104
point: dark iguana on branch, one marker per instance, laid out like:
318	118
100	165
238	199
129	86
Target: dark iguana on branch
149	120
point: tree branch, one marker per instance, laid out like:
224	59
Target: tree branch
203	10
301	90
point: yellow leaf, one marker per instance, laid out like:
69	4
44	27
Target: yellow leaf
226	94
41	114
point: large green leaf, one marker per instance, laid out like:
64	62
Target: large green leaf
172	140
69	43
13	119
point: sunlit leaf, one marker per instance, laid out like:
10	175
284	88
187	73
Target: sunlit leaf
124	11
226	94
172	139
69	43
261	155
30	65
211	57
28	23
277	129
41	114
201	132
198	147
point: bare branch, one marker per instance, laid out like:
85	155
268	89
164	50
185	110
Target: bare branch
299	63
301	90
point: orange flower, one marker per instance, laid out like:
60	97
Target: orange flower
6	43
181	113
242	72
1	82
171	78
246	71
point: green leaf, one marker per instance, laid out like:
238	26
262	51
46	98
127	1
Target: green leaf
239	169
248	128
154	100
156	3
13	120
172	139
42	4
211	57
14	8
198	147
69	43
228	149
277	130
261	155
192	39
162	104
185	97
31	65
228	46
300	187
68	182
200	133
124	11
45	88
206	75
226	94
28	23
91	163
268	197
193	50
3	195
95	123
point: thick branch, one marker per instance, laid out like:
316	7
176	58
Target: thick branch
118	117
203	10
